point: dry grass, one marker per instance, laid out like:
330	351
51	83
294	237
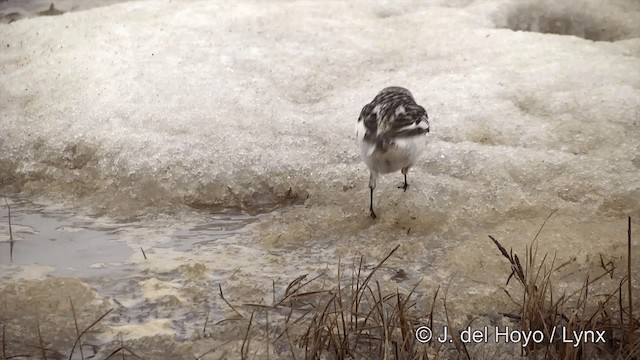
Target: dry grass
605	321
353	318
361	321
358	321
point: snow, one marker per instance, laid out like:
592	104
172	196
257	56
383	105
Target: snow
14	10
154	103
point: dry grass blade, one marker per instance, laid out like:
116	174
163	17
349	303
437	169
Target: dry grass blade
379	306
204	328
355	284
122	350
340	309
267	333
456	341
543	224
629	287
227	320
501	248
516	267
286	332
42	347
406	325
609	265
260	306
9	216
273	291
87	329
433	306
366	280
4	341
11	242
246	341
226	302
212	350
75	322
130	352
294	284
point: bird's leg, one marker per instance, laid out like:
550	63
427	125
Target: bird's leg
371	213
405	185
372	185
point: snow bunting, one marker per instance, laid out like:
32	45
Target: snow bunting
391	133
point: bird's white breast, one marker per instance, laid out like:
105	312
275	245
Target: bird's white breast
404	152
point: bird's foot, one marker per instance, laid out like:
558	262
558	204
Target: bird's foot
404	187
372	214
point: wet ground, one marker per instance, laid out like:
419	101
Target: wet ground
53	256
171	300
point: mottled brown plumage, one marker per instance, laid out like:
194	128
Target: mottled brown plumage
390	131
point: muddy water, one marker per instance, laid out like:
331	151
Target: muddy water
163	302
60	241
55	255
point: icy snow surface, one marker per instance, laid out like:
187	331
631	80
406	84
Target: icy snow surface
192	107
14	10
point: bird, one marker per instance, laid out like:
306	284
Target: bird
391	133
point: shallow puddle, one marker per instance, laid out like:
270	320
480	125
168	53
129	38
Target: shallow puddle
57	257
57	239
70	245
